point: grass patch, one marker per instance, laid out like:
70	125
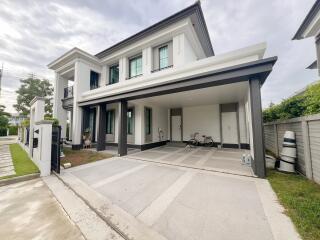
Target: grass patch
23	165
301	199
79	157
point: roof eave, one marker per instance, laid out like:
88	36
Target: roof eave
308	19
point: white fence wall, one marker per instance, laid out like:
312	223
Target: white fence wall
307	130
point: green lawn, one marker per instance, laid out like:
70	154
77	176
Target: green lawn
301	199
21	161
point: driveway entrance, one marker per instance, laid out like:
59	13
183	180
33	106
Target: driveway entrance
183	202
205	158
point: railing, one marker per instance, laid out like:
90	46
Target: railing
159	69
68	92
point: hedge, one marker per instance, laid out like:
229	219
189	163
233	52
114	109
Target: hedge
13	130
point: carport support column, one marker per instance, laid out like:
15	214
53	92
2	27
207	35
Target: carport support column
102	117
259	165
122	139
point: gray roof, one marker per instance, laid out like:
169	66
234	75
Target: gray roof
312	13
194	11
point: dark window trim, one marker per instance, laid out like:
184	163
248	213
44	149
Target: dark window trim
149	119
97	84
111	66
131	59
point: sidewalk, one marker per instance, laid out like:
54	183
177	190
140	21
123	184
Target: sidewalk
28	210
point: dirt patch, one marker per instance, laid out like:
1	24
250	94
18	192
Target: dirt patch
79	157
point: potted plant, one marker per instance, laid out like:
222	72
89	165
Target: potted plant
87	138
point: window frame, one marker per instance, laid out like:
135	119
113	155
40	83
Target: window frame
112	122
132	121
110	68
166	46
134	58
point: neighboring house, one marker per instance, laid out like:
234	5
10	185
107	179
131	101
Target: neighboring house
310	27
15	119
164	84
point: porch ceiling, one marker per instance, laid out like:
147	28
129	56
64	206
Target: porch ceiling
228	93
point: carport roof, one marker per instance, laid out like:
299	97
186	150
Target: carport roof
255	70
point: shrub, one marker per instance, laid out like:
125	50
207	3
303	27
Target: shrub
55	121
3	121
13	130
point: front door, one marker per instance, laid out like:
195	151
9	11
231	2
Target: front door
176	128
229	127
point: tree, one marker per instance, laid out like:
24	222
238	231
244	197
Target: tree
30	88
2	111
296	106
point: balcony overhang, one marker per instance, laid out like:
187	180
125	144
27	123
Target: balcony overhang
254	70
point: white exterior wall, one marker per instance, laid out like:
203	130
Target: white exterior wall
182	51
203	119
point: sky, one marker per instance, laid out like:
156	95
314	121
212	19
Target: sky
34	33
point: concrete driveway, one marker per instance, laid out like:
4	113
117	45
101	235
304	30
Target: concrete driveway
187	203
206	158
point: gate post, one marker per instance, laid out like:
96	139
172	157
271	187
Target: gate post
43	159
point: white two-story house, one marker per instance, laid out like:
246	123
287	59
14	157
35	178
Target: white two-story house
164	84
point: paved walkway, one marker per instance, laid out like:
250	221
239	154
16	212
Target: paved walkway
6	164
28	210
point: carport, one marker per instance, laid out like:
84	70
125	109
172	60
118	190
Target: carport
251	75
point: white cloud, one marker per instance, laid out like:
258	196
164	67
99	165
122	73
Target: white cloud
33	33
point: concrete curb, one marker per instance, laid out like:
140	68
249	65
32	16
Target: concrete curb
13	180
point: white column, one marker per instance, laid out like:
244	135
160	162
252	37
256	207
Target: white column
58	111
139	123
77	111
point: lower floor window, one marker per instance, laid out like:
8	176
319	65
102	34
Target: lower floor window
130	121
110	122
148	121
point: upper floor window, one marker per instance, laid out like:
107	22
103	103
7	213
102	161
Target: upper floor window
94	80
163	57
114	74
135	66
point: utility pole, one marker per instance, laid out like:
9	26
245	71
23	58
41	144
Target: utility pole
1	73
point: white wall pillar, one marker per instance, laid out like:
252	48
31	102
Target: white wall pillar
123	69
58	112
146	61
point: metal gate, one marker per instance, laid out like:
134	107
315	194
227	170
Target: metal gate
55	149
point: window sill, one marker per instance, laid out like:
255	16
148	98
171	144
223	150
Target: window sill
134	76
160	69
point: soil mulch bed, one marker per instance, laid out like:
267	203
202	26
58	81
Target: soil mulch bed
79	157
